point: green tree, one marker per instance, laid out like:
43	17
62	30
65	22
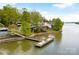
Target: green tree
26	25
57	24
36	17
36	20
9	15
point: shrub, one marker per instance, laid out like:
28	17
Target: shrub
13	28
38	29
25	28
1	25
57	24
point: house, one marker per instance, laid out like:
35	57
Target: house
43	26
46	24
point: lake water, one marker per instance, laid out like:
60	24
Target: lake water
66	42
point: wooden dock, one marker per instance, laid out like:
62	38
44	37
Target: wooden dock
28	38
44	42
33	39
41	42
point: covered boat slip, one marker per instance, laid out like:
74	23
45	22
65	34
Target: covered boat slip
3	29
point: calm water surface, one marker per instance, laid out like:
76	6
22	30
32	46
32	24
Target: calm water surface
66	42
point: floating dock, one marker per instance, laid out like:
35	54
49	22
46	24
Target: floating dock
44	42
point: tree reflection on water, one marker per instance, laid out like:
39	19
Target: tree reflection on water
58	37
15	47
